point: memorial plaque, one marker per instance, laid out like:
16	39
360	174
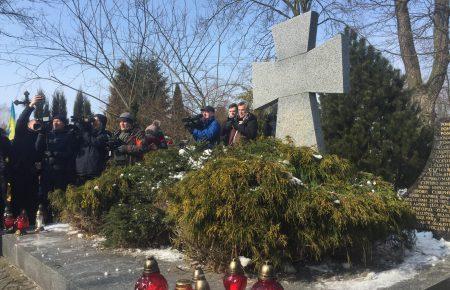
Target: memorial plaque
430	195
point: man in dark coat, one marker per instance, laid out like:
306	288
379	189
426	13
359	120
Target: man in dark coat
245	127
24	175
131	141
92	154
57	149
227	126
5	158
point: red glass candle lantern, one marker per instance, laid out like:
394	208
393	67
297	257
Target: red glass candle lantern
235	280
151	279
8	220
267	279
22	222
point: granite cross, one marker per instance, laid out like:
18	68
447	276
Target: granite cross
300	71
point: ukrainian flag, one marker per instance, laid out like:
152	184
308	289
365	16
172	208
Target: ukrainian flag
11	129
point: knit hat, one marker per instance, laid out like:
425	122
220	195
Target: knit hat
154	126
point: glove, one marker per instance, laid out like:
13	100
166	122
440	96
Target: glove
122	149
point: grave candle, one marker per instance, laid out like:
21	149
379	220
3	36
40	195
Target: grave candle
8	220
22	222
267	279
235	280
151	278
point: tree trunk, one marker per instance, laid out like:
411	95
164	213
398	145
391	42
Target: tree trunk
406	43
424	95
426	103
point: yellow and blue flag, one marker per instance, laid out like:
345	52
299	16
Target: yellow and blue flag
11	129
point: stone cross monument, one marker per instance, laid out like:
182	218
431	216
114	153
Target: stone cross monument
300	71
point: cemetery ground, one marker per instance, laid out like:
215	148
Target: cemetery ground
63	258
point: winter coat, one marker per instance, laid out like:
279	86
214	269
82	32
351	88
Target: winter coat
23	146
156	138
5	154
92	153
245	129
57	149
132	146
209	132
226	130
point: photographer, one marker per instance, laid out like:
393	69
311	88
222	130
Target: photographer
24	174
207	129
128	143
226	128
244	127
56	146
92	139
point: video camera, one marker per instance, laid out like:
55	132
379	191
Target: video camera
43	125
193	122
84	122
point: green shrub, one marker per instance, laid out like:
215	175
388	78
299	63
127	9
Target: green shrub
94	207
269	199
264	199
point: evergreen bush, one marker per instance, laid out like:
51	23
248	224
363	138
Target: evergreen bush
122	203
268	199
264	199
375	125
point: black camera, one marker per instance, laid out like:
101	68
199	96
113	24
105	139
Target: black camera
42	125
193	122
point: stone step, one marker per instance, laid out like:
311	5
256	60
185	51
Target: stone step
57	260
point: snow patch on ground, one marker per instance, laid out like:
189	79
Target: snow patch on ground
427	252
167	254
58	228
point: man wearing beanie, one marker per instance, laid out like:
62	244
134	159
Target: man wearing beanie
92	154
56	145
131	141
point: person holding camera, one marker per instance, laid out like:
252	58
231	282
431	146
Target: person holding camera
227	126
206	129
129	143
244	126
92	140
24	175
56	144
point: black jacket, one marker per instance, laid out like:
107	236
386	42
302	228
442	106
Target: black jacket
248	127
5	153
24	151
226	130
57	149
92	153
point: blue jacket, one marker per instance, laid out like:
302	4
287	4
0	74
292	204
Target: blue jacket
210	132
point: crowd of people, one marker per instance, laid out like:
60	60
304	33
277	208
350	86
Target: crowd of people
48	155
